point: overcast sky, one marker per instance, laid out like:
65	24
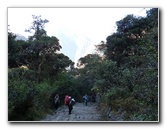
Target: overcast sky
93	23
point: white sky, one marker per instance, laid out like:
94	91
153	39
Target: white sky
93	23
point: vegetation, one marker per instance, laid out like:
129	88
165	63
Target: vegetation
123	72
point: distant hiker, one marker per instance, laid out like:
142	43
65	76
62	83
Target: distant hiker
70	104
56	101
66	100
85	99
94	97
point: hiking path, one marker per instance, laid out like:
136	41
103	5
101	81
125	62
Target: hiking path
80	112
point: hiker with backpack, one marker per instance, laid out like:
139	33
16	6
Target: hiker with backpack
70	105
56	101
68	101
85	99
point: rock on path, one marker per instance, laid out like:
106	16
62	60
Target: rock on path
80	112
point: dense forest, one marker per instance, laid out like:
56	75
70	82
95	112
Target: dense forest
123	71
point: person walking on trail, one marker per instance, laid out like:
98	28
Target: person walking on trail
56	101
85	99
70	104
68	101
94	97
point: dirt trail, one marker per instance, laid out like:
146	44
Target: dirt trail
80	112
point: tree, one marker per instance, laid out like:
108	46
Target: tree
15	49
124	43
11	50
30	90
134	47
34	56
37	28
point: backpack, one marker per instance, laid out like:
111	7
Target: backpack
72	101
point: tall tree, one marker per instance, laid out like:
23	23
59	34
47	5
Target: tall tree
41	45
37	28
134	47
42	55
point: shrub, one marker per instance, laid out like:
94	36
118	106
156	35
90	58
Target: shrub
21	91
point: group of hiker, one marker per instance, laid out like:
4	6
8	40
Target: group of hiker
69	101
